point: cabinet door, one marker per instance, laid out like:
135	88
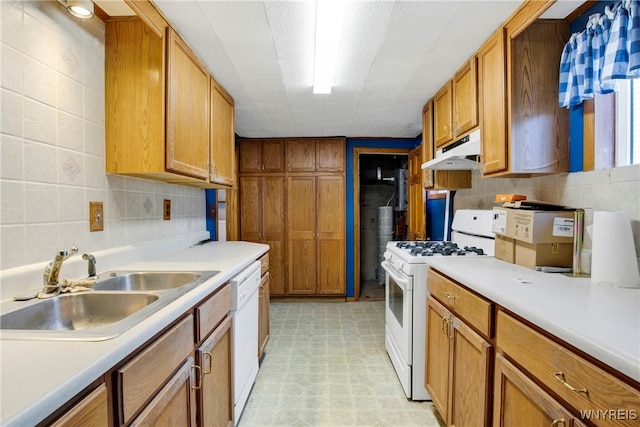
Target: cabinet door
493	102
443	116
331	235
465	98
187	117
427	143
92	411
273	152
517	398
416	196
174	404
274	227
438	344
470	378
301	204
222	170
301	155
251	208
263	314
216	393
330	155
250	153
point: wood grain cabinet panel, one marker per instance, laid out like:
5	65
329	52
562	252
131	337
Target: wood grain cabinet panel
517	398
138	380
316	155
222	168
187	111
443	116
417	208
439	179
263	314
524	131
174	404
215	395
438	350
263	220
465	98
577	381
212	311
262	155
91	411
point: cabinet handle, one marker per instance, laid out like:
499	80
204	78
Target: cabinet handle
445	326
449	295
557	422
208	370
559	376
198	381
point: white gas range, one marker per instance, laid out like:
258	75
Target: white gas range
406	265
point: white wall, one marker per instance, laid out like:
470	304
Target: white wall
52	145
616	189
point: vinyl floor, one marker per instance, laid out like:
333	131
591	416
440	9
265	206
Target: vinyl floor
326	365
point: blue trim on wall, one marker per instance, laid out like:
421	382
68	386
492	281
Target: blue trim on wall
576	119
210	199
352	143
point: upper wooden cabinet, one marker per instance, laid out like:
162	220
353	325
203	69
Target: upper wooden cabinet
440	179
262	155
455	106
222	163
187	109
316	155
524	131
443	116
165	118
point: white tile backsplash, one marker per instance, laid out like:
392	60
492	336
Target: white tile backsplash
52	132
616	189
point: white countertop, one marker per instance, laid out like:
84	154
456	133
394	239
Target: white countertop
37	377
603	322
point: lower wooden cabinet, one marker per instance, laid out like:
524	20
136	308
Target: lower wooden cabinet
174	404
518	398
263	314
457	368
91	411
215	393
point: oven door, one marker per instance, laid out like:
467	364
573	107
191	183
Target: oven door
399	309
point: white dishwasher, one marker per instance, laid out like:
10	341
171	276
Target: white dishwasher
244	310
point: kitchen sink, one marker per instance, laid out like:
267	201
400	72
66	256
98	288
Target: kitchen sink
76	311
118	301
145	280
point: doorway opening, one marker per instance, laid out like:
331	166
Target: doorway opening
380	211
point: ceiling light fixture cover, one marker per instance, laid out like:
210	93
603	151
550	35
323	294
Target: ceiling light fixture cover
82	9
329	17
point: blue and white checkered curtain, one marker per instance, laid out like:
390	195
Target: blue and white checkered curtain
606	51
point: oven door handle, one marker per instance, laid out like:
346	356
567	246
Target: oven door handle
398	276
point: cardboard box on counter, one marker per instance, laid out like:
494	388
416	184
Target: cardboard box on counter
534	226
534	255
505	248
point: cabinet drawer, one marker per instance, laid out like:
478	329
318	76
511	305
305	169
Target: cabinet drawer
141	378
264	263
467	305
211	312
574	379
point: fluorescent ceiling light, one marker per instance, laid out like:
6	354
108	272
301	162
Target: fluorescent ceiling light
329	16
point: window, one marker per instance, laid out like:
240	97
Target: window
628	123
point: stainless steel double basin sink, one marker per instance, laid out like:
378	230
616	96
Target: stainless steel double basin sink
118	301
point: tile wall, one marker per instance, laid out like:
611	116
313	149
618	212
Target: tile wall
52	145
616	189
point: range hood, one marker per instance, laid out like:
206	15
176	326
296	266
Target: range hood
460	155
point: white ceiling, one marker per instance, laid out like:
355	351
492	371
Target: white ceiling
394	56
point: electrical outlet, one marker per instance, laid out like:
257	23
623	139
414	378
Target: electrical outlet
166	213
96	216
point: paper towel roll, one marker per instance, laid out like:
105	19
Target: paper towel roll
613	256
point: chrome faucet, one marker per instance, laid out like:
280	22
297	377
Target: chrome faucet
91	267
52	270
